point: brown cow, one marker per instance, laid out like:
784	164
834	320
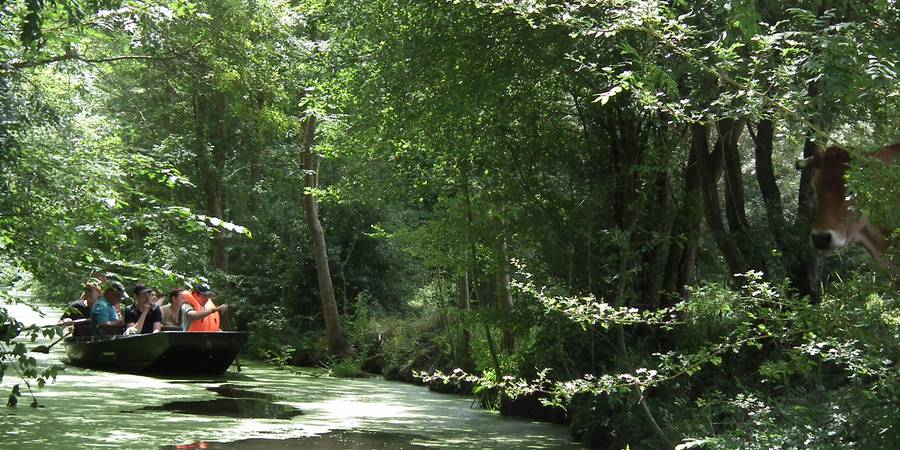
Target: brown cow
836	224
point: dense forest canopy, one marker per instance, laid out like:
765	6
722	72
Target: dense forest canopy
591	203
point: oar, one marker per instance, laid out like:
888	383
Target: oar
55	325
46	348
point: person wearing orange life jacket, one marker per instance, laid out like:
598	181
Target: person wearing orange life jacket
201	314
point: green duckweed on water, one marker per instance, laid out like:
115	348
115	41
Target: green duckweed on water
260	408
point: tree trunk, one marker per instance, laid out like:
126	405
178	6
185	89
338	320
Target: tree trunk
504	296
210	181
809	263
480	298
729	131
711	208
309	163
626	152
465	301
255	148
800	259
219	135
768	187
686	235
661	223
688	224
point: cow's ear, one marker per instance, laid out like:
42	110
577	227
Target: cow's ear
801	164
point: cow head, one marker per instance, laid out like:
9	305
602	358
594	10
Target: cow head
836	224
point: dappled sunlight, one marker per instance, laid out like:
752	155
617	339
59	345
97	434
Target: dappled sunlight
130	410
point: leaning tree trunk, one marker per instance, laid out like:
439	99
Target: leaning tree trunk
309	163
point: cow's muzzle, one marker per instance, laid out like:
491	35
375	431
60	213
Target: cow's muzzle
826	239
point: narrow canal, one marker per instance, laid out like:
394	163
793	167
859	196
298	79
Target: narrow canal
259	408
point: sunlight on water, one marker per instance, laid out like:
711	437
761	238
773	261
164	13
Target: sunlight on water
94	409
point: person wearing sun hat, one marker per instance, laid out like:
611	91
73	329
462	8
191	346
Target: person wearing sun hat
81	308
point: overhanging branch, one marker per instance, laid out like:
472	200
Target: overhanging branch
71	55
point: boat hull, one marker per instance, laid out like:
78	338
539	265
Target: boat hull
167	352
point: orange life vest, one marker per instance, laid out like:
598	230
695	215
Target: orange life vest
208	323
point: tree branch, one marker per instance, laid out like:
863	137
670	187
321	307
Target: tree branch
72	55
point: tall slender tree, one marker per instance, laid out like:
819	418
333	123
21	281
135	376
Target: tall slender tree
309	162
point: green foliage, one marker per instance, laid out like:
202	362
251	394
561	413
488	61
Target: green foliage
16	340
346	368
276	337
758	361
460	141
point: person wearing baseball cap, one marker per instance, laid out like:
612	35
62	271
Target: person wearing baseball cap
104	313
201	314
144	316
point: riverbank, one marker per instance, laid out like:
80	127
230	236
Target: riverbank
401	351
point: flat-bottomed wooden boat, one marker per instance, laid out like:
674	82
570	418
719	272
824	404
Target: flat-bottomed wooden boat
166	352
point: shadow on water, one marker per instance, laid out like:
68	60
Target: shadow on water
352	440
233	391
238	402
200	379
242	408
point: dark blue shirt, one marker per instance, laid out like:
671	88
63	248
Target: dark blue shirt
132	315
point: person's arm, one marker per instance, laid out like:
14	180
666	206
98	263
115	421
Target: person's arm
156	317
70	314
128	319
197	315
138	327
66	317
114	323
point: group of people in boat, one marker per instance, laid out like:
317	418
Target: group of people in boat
99	311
